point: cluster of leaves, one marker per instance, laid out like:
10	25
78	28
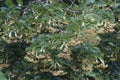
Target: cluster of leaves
57	41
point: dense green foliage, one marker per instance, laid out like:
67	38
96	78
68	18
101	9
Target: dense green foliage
58	41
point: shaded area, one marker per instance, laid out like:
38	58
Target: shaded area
13	58
110	47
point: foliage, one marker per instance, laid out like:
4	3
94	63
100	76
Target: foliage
58	41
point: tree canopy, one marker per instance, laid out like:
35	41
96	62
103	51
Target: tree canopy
60	40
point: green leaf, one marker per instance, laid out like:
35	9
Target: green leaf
20	1
2	76
8	3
